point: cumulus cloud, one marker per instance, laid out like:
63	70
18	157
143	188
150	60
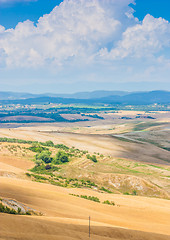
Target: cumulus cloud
142	40
84	32
73	30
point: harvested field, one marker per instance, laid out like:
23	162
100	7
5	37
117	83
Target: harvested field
61	209
129	162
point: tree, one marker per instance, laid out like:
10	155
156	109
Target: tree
45	156
36	147
93	157
47	167
61	157
49	143
38	162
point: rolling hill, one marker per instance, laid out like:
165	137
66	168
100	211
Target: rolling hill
140	98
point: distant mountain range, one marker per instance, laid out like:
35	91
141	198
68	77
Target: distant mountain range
91	95
96	97
15	95
79	95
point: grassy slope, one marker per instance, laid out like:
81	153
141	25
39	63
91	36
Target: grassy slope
115	174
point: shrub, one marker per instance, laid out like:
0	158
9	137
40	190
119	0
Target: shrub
28	213
108	202
95	199
44	156
54	168
61	157
126	193
37	148
93	157
105	190
38	162
47	167
134	193
44	169
89	183
49	143
19	210
62	146
8	210
38	177
28	174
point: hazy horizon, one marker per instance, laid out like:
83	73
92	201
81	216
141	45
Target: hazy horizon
85	87
72	93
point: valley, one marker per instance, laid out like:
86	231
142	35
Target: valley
126	191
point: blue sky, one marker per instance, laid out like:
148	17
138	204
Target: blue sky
84	45
11	14
157	8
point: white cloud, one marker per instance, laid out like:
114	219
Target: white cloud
73	30
100	37
142	40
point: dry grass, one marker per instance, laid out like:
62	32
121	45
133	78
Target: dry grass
125	164
137	213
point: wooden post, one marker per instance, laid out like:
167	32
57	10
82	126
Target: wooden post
89	226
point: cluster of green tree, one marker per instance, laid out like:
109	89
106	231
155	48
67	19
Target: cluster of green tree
45	157
109	203
133	193
91	198
47	117
105	190
53	117
14	140
59	180
95	199
61	157
39	177
62	146
93	116
45	169
5	209
37	148
52	113
92	158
